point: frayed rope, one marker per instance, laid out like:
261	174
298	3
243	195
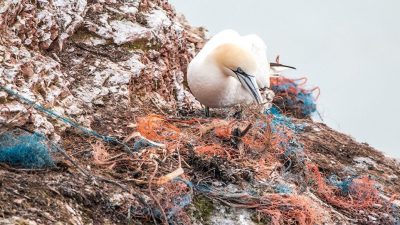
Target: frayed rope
50	113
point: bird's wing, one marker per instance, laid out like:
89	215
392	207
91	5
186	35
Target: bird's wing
259	49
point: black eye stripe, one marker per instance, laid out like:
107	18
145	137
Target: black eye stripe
240	71
245	79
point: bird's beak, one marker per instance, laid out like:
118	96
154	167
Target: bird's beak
250	83
278	66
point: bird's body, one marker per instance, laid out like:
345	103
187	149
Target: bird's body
229	70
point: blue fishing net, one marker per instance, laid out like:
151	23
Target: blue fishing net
342	185
281	125
25	150
283	189
180	201
279	120
294	147
292	98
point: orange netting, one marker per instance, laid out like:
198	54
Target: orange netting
292	97
280	81
274	140
291	209
156	128
257	140
281	209
362	194
212	150
223	132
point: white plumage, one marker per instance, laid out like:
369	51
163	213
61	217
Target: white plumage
229	70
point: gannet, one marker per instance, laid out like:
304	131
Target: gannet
230	69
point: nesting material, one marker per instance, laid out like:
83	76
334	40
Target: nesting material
293	98
25	150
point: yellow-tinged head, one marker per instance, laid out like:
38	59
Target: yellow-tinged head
239	63
231	57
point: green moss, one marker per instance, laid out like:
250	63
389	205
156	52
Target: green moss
204	208
83	35
142	44
3	100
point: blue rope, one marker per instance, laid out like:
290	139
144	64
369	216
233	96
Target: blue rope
50	113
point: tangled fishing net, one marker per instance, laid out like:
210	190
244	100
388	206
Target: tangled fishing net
359	193
26	150
293	98
288	209
216	153
155	127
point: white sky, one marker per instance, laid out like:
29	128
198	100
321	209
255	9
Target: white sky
350	49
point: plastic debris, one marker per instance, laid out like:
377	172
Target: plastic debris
301	210
141	142
171	176
211	150
279	121
176	196
292	98
25	150
96	82
283	189
145	143
362	193
53	114
343	186
283	134
156	128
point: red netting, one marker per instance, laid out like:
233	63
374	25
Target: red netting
292	97
363	193
212	150
156	128
223	132
291	209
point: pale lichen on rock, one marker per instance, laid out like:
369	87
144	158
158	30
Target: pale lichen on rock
82	66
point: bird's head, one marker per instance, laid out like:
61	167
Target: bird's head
239	63
230	57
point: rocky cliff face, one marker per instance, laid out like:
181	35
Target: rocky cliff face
77	56
117	68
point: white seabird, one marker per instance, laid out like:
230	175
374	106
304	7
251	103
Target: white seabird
230	70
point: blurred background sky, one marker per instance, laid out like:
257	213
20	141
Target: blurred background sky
350	49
